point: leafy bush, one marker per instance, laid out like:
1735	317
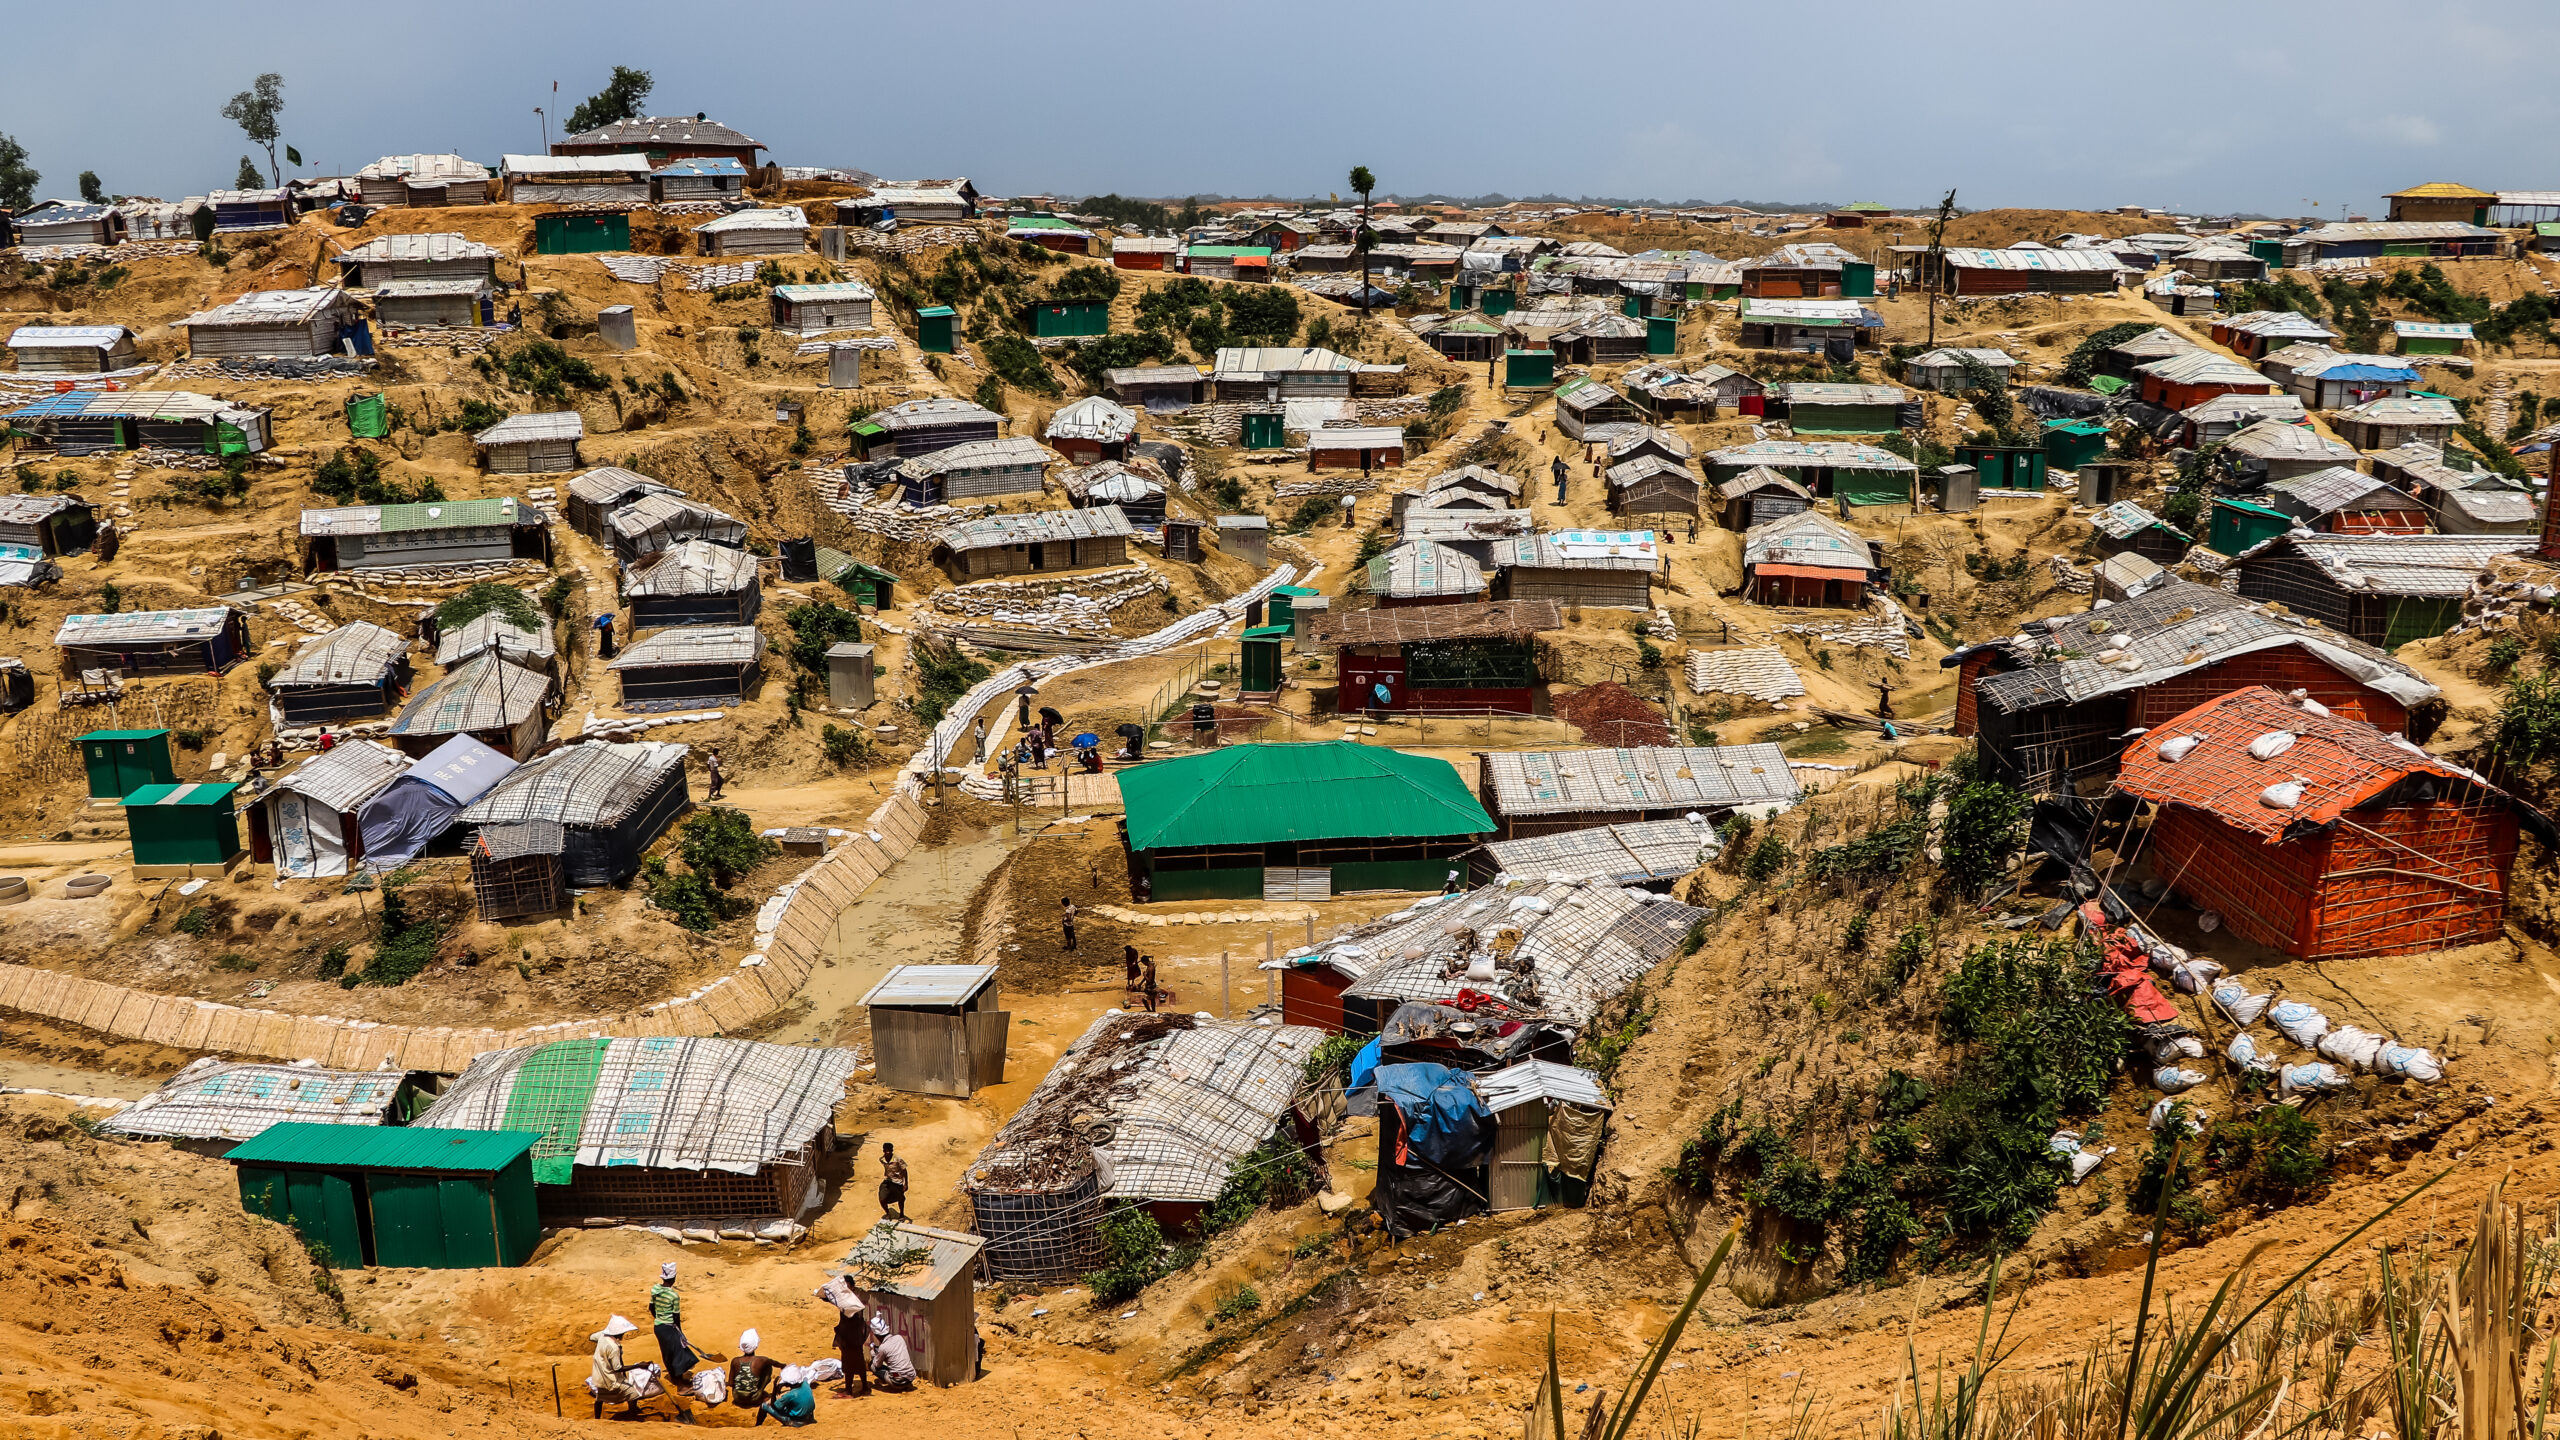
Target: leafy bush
352	475
477	415
815	628
1267	314
990	394
1133	1258
844	746
1766	858
405	941
722	845
690	899
483	597
2504	652
195	921
1986	828
548	373
2528	722
1236	1303
1019	364
944	675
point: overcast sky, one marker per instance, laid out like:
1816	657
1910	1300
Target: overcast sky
2204	107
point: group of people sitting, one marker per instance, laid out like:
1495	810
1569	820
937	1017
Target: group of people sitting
868	1352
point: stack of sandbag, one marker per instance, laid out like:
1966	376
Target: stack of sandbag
2068	1146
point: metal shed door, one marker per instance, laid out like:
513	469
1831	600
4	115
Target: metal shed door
987	1032
1519	1145
1285	883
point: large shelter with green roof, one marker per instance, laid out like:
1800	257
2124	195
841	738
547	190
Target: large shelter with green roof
395	1195
1295	822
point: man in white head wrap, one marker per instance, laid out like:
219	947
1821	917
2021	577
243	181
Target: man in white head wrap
605	1375
892	1368
751	1375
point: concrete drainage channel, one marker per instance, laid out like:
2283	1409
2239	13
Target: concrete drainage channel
792	929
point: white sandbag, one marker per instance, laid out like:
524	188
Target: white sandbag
2236	1001
2191	977
823	1370
2407	1062
642	1378
2312	1079
2300	1023
2161	1109
2271	744
2351	1047
2176	1079
711	1385
2246	1054
2064	1143
2086	1161
2167	1048
2282	796
2175	748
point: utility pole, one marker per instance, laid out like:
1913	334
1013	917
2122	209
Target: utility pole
1937	258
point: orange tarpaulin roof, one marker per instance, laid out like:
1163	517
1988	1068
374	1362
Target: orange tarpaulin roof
2340	763
1810	572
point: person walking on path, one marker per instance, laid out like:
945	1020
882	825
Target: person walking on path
1067	921
711	765
893	1183
1147	981
1561	471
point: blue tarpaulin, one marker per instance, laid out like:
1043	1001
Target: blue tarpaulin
1444	1123
1364	1066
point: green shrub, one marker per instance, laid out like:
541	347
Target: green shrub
1236	1303
405	941
233	960
2273	1158
2527	727
944	675
333	961
1133	1258
843	746
1766	858
816	628
722	845
195	921
689	898
1854	938
1986	827
1311	512
2504	652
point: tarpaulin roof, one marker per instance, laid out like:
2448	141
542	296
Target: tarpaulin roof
1582	943
592	784
1093	418
664	1103
2342	764
526	429
2439	566
1810	572
346	775
216	1099
1423	567
485	692
421	805
1256	794
142	627
692	567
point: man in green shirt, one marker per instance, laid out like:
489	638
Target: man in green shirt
666	1312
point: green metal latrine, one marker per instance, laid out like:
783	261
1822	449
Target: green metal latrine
1262	646
182	825
2005	467
1266	432
933	329
2238	525
2070	444
394	1195
865	584
1284	602
1857	280
1498	302
1071	317
580	234
120	762
1528	369
1661	334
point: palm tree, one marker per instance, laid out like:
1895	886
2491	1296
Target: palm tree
1363	182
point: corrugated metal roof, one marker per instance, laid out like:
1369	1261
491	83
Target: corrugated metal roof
833	290
216	1099
1095	522
1626	854
68	337
930	985
1809	392
386	1147
1329	790
486	692
645	131
591	784
2054	260
357	653
2282	440
435	245
1833	454
783	217
397	519
526	429
1541	1082
270	307
2339	487
2166	633
692	645
2434	566
1807	537
1559	782
625	164
142	626
345	775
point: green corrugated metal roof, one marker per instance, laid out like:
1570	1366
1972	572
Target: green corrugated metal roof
446	514
1237	251
196	793
2076	427
933	310
122	734
1253	794
1270	632
1294	590
382	1147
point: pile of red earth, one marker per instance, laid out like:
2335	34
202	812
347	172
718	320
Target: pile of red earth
1610	714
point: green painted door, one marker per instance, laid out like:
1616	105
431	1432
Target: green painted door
1857	279
1661	334
408	1219
1632	306
1497	302
321	1207
1262	665
1265	432
469	1222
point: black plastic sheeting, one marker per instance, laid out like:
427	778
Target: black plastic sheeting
2060	828
1418	1196
2047	403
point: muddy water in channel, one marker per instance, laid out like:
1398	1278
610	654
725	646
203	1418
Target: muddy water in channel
910	916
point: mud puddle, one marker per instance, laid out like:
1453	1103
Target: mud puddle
910	916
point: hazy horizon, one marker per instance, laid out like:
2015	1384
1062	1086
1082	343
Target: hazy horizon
1878	104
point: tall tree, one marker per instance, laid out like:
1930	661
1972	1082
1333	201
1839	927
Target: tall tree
248	178
1938	259
17	177
92	189
619	100
1363	182
257	111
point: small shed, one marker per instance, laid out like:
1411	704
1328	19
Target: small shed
154	642
2126	528
1054	319
62	222
612	802
1182	540
693	582
572	233
51	526
1651	485
933	329
1092	430
1157	389
436	256
2070	444
2346	843
2122	577
1137	493
1807	559
306	821
698	178
1244	536
693	666
181	831
1549	1123
2015	468
781	230
977	469
2388	424
1528	369
417	304
1578	567
515	870
266	323
2425	337
816	309
260	209
862	583
540	444
1944	371
1040	541
1759	495
849	675
938	1029
432	181
119	762
930	1302
72	349
395	1195
1582	402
